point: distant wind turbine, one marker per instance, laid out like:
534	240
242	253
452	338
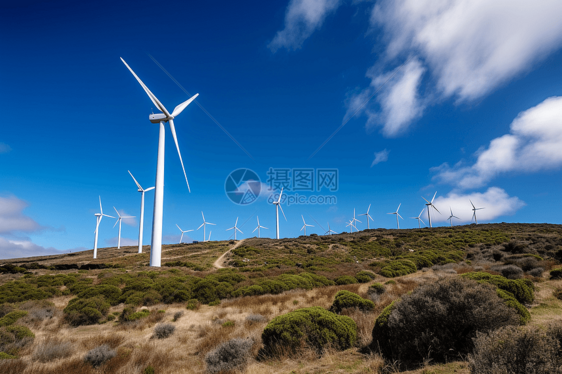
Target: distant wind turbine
355	220
182	232
99	216
120	217
259	227
277	206
368	216
350	224
235	228
204	225
142	191
163	117
474	209
305	225
419	218
429	205
330	231
452	216
397	215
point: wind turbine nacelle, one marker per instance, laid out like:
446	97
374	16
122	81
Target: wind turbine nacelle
157	118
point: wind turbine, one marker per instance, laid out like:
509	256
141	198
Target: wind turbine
474	209
259	226
350	224
182	232
330	231
210	232
142	191
419	218
99	216
355	220
119	220
234	227
277	206
397	215
305	225
165	116
368	216
452	216
204	225
429	205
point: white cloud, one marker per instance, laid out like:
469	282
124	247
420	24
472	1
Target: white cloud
4	148
398	98
381	156
471	46
124	241
12	218
495	201
128	221
23	248
533	144
302	18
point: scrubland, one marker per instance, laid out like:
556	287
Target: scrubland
376	301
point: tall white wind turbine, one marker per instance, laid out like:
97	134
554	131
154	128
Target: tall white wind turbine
355	220
204	225
142	191
474	209
397	215
452	216
330	231
182	232
419	218
429	205
165	116
368	216
259	227
235	228
305	225
119	218
99	216
277	206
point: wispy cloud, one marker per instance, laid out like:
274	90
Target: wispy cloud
533	144
124	241
16	248
495	201
302	18
12	218
128	221
381	156
4	148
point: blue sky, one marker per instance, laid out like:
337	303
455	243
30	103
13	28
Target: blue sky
460	97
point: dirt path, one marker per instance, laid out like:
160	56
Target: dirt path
219	262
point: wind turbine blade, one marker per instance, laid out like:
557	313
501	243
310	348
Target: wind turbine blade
229	228
208	223
236	222
137	183
369	208
115	224
153	98
422	221
472	204
371	218
435	194
202	215
263	227
399	205
358	220
426	200
255	229
148	189
117	212
303	219
127	216
280	194
302	228
200	226
182	106
399	215
435	208
179	227
188	230
107	216
101	209
280	207
179	153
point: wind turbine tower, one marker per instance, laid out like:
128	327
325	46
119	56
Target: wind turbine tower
99	216
235	228
474	209
368	216
277	206
161	118
142	191
397	215
305	225
429	205
204	225
120	217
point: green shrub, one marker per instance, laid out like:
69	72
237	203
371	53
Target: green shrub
377	288
398	268
366	273
253	290
205	291
215	303
193	304
13	338
512	302
522	289
148	370
345	299
12	317
556	273
390	282
143	313
439	320
228	324
5	356
314	327
111	293
86	311
346	279
362	278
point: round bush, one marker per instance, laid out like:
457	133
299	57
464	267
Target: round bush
346	299
229	356
314	327
111	293
556	273
511	272
398	268
86	311
439	320
99	355
345	279
522	289
205	291
536	272
511	301
164	331
377	288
